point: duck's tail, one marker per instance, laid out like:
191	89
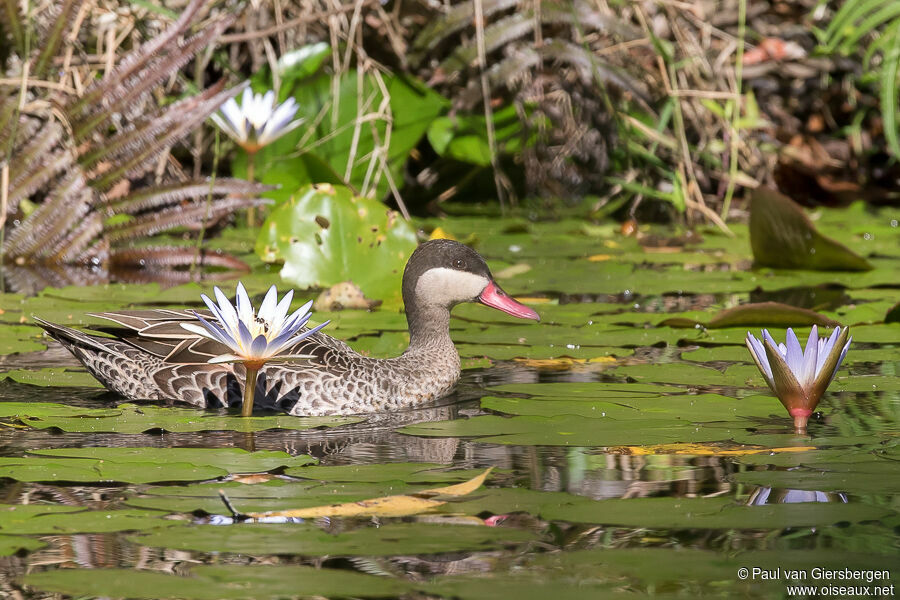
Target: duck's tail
72	338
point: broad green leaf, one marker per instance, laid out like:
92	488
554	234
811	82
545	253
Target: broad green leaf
325	235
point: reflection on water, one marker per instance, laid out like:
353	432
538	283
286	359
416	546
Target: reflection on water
767	495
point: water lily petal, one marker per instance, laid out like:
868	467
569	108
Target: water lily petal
281	311
299	338
826	345
794	356
201	331
267	308
830	364
244	308
226	313
787	388
246	340
258	347
759	357
225	358
221	334
810	355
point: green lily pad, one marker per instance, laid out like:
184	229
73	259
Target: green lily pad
132	418
407	472
823	481
210	582
33	468
18	339
308	540
231	460
275	494
597	390
14	544
325	235
699	408
53	377
568	430
60	520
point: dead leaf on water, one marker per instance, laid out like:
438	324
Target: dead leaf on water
388	506
702	449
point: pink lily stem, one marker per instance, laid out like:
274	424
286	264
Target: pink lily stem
249	389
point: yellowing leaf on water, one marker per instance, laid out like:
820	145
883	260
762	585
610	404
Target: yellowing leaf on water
533	300
440	234
513	270
564	362
611	243
599	257
702	449
388	506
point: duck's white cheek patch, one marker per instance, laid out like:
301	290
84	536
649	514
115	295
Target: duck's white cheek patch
446	286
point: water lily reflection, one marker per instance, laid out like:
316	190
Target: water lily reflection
767	495
797	377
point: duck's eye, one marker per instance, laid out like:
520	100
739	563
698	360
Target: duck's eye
459	264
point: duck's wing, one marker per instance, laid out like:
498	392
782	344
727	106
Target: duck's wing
159	332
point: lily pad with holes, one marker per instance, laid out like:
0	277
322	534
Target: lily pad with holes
325	235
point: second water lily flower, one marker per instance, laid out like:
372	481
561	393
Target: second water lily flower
797	377
254	339
258	120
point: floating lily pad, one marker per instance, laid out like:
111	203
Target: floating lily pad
821	481
20	339
53	377
231	460
597	390
33	468
276	494
407	472
308	540
568	430
216	582
698	408
59	520
132	418
13	544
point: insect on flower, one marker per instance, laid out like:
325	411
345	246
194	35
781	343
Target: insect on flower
254	338
797	377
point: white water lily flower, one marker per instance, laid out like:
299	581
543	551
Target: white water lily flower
797	377
258	120
257	338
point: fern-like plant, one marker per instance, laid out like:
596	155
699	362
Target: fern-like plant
76	185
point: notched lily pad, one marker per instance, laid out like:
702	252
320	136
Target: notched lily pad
52	377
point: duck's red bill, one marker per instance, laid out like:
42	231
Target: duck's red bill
495	297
